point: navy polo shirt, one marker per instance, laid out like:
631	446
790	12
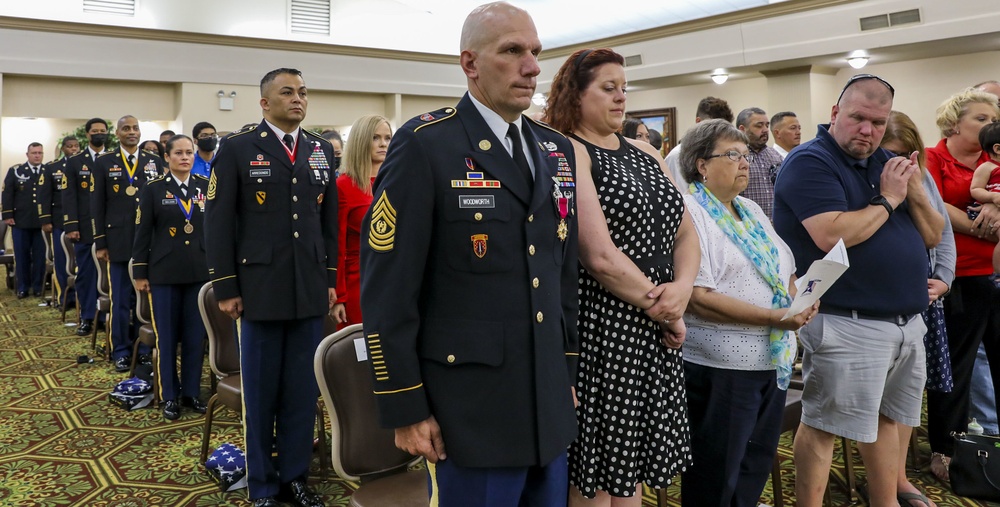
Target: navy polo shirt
888	273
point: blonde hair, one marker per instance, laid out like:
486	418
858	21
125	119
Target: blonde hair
358	151
951	110
901	128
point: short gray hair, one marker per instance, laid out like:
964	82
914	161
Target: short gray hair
744	116
699	143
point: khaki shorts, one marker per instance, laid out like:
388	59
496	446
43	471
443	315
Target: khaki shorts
855	369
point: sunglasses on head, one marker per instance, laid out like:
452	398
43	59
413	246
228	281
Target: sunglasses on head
863	77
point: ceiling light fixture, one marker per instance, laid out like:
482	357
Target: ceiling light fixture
539	99
720	77
858	61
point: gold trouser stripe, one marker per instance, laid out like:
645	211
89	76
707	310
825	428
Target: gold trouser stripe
432	471
243	390
159	356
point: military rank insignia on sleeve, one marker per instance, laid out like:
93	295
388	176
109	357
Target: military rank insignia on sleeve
211	187
382	235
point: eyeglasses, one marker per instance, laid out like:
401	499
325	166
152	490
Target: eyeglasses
733	155
862	77
208	136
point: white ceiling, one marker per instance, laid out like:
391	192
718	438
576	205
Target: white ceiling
434	26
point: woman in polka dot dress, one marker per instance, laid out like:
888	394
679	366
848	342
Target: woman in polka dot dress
639	256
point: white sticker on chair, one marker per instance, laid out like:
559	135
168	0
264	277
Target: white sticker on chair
362	351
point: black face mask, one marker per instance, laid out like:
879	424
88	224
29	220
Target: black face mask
208	143
98	139
336	162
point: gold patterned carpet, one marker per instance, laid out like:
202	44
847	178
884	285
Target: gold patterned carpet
63	444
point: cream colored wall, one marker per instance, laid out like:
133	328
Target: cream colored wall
46	97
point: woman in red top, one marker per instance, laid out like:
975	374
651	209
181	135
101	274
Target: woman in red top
970	310
363	156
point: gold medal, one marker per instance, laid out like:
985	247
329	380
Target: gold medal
188	228
562	230
130	190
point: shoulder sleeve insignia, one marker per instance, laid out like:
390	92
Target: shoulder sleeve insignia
91	183
211	187
382	235
41	179
435	117
138	215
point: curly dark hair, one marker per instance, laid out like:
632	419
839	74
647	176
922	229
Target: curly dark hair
563	109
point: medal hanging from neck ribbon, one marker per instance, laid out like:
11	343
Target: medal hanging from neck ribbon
185	206
561	200
130	190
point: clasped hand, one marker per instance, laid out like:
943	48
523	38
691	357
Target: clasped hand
671	300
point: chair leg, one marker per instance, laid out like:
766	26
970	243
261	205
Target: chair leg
779	497
209	415
135	359
662	500
852	482
914	450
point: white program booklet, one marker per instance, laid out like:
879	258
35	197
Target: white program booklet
820	277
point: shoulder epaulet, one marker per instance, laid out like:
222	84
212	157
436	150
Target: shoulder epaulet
152	153
240	132
158	178
105	154
313	134
544	125
15	166
433	117
79	154
200	176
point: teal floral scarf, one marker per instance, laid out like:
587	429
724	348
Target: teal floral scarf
754	242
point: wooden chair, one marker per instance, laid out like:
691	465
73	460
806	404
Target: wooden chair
50	264
361	449
224	359
67	246
103	301
147	335
7	257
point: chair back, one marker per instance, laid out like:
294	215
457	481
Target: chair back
143	310
49	250
69	251
223	347
360	447
3	236
103	280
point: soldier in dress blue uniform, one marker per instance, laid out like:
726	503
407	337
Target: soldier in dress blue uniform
169	263
117	179
474	207
272	256
55	173
26	212
77	221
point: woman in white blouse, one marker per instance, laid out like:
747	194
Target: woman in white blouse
739	352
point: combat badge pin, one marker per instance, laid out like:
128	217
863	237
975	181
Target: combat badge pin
479	244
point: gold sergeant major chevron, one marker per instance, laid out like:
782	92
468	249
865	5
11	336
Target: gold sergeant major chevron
382	232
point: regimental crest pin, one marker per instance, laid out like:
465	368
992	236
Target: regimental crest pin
173	231
261	196
479	244
116	187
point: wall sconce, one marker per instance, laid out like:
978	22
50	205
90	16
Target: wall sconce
226	103
858	61
720	77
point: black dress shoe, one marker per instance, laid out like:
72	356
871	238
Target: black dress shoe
123	364
171	410
194	404
145	359
298	493
85	328
22	295
267	501
38	293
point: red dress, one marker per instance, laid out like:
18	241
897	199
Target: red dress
352	204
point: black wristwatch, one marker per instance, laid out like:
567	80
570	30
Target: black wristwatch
880	200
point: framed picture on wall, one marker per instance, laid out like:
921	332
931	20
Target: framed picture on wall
661	120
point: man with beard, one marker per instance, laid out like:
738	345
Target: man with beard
764	161
118	178
77	222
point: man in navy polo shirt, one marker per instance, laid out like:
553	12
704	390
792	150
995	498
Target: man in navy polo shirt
864	355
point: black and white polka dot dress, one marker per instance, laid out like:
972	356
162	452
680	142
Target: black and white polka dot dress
633	407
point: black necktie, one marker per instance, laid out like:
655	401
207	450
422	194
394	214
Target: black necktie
131	160
184	189
289	142
518	152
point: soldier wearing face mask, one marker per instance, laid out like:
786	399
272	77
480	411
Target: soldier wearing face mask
207	140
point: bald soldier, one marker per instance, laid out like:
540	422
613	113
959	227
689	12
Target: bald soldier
466	215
